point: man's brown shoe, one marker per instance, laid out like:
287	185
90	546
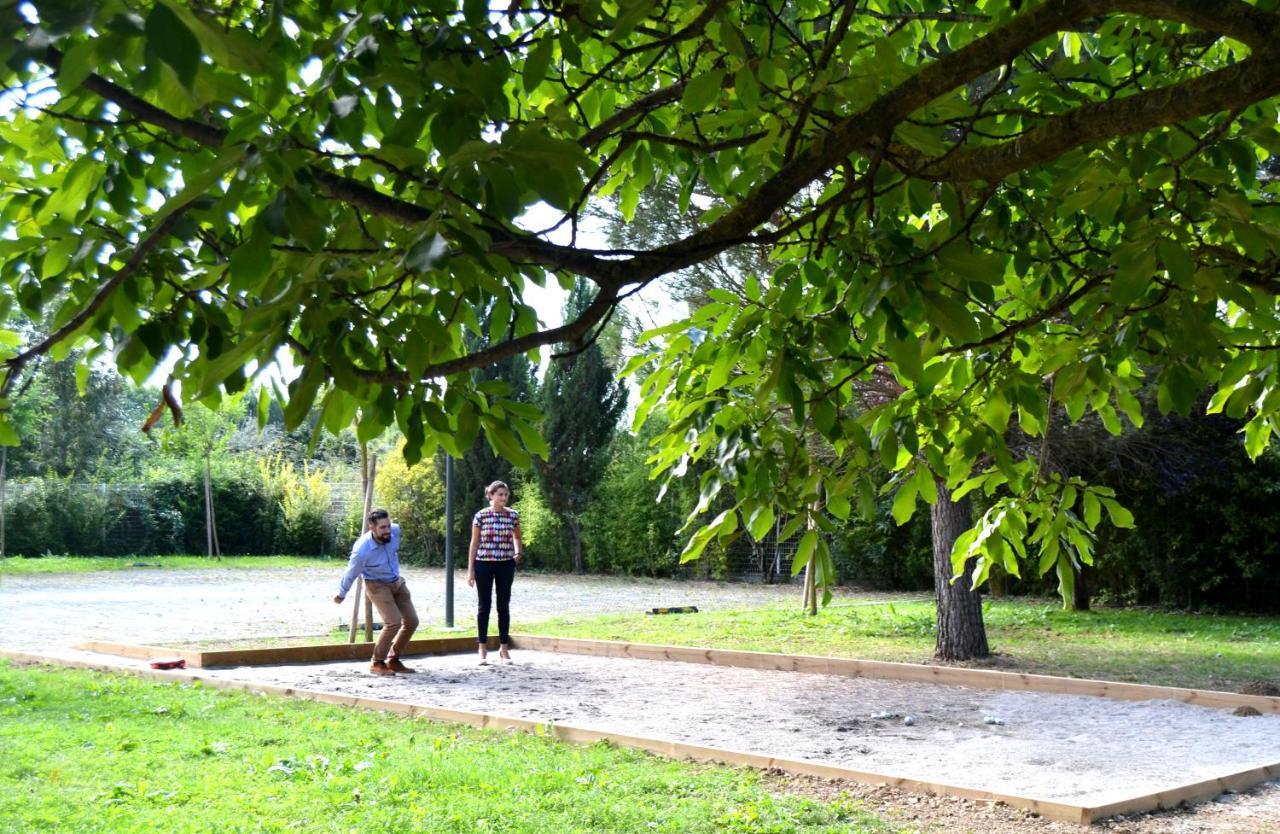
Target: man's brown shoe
381	667
394	664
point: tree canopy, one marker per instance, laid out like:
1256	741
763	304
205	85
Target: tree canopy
971	213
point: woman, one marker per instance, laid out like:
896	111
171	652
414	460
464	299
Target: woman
496	546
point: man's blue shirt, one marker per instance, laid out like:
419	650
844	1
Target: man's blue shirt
373	560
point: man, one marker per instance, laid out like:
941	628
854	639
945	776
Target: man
376	557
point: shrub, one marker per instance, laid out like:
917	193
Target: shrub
415	498
627	529
546	541
301	500
880	554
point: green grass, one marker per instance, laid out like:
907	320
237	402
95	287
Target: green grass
16	566
1155	647
89	752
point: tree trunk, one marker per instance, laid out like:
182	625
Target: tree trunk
1080	593
576	530
810	590
810	577
961	633
208	509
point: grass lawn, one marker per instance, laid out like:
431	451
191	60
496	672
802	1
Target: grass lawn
16	566
89	752
1156	647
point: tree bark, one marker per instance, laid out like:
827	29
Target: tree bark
575	529
1080	593
961	632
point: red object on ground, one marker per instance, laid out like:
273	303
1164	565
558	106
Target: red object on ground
169	663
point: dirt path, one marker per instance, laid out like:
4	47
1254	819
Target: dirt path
151	605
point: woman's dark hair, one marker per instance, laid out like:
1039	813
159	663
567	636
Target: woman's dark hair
494	487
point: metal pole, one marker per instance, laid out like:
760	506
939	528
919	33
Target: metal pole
368	507
4	464
448	541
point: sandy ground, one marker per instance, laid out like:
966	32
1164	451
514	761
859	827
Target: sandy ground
1079	750
1068	744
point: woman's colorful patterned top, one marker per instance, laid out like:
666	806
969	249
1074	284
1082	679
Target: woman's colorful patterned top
497	534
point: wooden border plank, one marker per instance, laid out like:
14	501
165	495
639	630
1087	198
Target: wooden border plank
279	655
1188	794
912	672
879	669
139	652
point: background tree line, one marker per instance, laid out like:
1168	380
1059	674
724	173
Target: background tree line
1206	533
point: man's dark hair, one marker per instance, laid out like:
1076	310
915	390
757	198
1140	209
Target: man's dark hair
377	515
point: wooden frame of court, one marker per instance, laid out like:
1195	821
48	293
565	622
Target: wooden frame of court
910	672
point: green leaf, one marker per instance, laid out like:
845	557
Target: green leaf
1120	517
535	66
904	502
77	64
973	266
1179	388
169	39
233	49
1257	435
1092	510
504	442
251	261
905	354
804	551
1066	579
426	253
747	88
702	91
475	12
264	407
1178	262
302	393
77	184
761	522
200	182
1135	268
952	318
532	439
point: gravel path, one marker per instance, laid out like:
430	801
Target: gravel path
156	605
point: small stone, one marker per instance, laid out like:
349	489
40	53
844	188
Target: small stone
883	715
909	720
991	719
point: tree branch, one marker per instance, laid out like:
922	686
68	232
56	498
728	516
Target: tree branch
13	366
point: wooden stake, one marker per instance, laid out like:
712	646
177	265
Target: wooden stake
208	509
355	610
